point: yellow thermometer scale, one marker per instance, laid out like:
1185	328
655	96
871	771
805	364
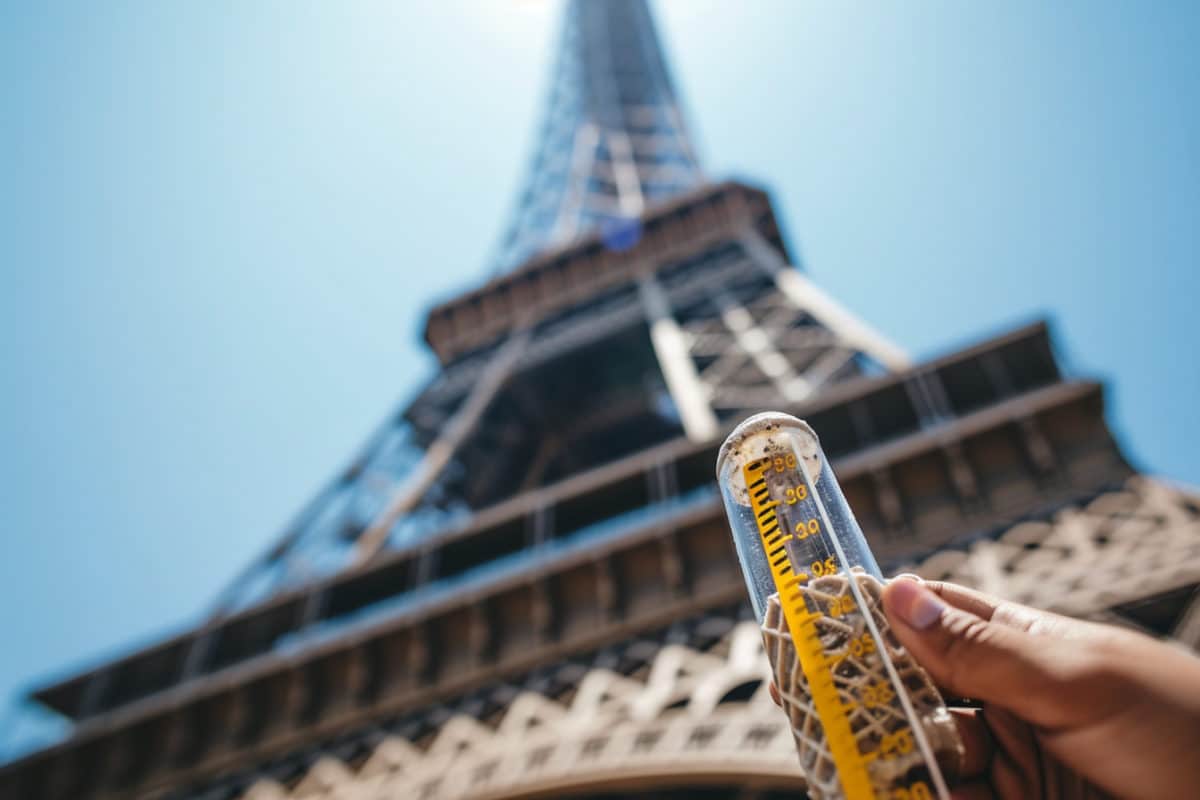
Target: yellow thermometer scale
867	721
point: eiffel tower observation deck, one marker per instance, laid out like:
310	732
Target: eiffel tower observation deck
523	586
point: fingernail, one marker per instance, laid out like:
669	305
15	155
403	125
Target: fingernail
908	576
915	604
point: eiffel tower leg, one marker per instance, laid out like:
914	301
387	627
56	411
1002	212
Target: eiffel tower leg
671	349
422	478
807	295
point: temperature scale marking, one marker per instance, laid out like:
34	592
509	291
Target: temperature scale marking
802	624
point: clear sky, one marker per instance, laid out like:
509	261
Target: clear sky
220	223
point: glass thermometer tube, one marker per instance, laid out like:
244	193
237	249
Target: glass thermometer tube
868	722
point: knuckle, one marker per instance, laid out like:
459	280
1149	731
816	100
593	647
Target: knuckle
937	587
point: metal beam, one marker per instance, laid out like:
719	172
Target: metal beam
827	311
679	371
438	455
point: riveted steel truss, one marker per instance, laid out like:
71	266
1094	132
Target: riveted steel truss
759	337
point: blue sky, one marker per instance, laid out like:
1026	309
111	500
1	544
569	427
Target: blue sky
220	223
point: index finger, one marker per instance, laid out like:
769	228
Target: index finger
978	745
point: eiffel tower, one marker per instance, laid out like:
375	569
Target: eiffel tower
523	586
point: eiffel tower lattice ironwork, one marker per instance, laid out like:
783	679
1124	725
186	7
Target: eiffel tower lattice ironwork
523	585
739	330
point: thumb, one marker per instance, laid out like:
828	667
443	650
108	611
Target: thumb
975	657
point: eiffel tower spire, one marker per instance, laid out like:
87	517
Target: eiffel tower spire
613	142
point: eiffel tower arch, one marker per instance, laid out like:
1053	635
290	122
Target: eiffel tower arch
523	585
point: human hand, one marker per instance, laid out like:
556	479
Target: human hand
1071	709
